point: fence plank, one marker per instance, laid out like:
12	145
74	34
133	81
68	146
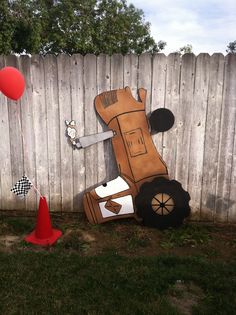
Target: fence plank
64	100
17	162
212	137
40	125
184	118
131	73
117	74
172	103
4	129
105	151
145	77
28	129
77	99
232	198
117	82
223	201
53	132
91	164
158	92
232	99
199	110
6	196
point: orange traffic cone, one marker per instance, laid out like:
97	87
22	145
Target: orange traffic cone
43	234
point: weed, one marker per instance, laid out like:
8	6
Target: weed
210	252
137	242
136	239
187	235
15	225
109	251
232	243
72	241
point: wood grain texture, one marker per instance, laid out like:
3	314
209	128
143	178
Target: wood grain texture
117	71
65	112
90	121
232	100
53	132
212	137
3	129
197	138
106	160
131	73
6	196
117	82
145	77
28	130
40	125
172	103
232	197
77	101
199	150
16	145
158	92
184	118
226	144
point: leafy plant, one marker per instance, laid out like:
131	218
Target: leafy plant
187	235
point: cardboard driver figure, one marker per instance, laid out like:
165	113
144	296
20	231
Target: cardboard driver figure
143	189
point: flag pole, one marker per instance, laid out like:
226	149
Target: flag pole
26	152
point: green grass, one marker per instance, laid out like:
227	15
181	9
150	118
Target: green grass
15	225
80	276
186	235
62	283
136	240
72	242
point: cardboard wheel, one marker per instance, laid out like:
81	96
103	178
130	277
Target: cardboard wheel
161	120
162	203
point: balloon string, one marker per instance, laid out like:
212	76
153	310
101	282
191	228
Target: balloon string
26	151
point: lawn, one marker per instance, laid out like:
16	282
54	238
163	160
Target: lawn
118	268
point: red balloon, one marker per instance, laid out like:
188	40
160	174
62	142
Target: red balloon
12	83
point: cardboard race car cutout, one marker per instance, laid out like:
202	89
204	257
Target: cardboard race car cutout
143	189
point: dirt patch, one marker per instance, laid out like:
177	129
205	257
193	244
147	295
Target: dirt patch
76	240
185	296
125	237
85	236
129	238
8	241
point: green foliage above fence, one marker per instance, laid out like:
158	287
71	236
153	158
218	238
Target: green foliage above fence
40	27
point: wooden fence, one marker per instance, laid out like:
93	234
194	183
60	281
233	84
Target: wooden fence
200	150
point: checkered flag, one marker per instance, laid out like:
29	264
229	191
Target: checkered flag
22	187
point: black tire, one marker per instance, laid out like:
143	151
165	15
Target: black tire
161	120
162	203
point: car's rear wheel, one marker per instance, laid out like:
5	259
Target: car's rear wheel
162	203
